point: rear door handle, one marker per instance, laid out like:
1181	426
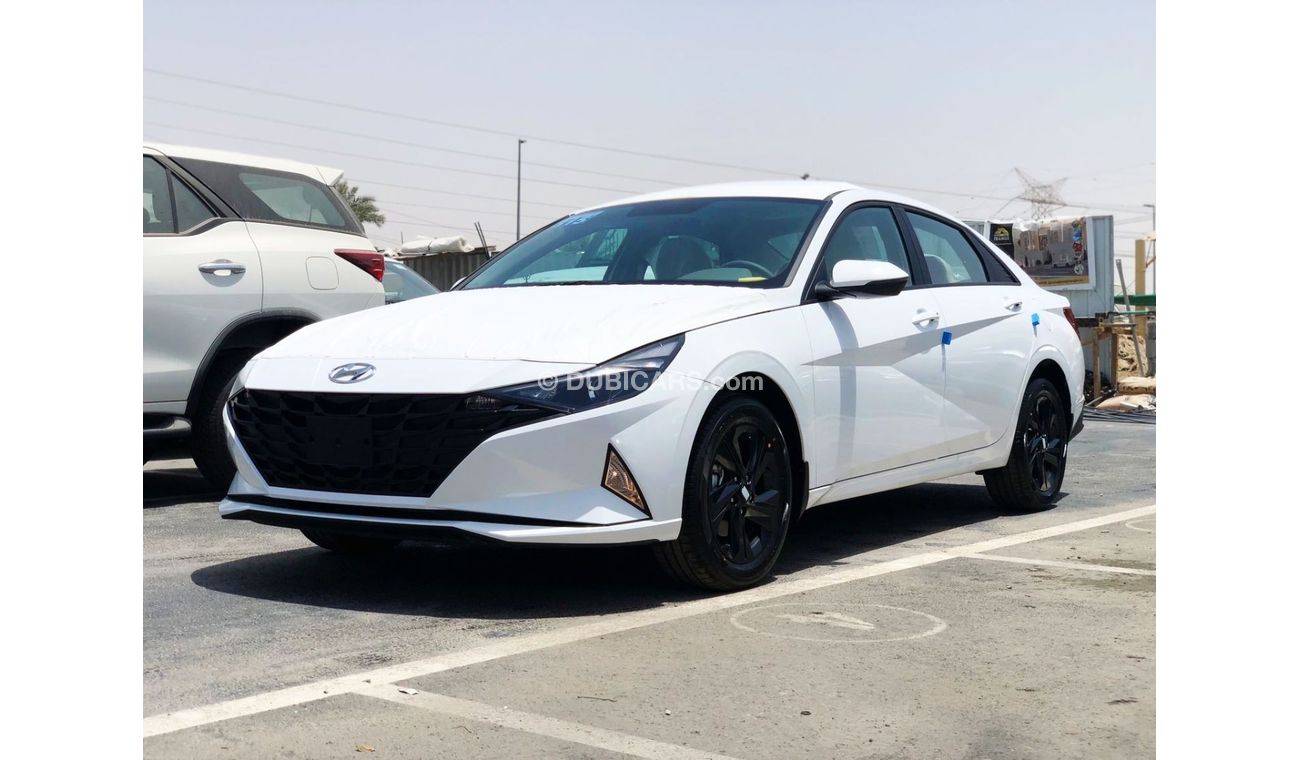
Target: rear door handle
222	265
926	317
1014	305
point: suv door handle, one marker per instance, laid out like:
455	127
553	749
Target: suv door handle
926	317
1014	305
222	265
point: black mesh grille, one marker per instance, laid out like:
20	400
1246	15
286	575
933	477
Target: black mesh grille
387	444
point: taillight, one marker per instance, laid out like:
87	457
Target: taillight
370	262
1069	317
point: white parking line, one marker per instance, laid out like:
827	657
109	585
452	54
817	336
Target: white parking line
178	720
1064	564
541	725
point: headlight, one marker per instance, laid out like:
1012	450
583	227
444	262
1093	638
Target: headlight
617	379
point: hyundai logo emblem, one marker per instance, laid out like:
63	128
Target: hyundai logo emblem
352	373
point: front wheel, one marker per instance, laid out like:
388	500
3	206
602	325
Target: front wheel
1032	477
737	504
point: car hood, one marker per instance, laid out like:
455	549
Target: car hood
579	324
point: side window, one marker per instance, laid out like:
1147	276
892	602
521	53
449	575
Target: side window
865	234
948	254
158	216
170	206
191	211
269	195
294	200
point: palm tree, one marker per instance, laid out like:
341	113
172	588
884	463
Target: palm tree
362	205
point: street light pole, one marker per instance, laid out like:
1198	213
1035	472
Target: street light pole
1152	206
519	185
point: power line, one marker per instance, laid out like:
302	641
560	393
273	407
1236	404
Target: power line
470	127
386	203
565	206
419	220
407	143
399	161
589	146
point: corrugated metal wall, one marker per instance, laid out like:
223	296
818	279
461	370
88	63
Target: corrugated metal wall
444	269
1100	297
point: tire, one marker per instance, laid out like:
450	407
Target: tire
344	543
208	438
1032	477
738	500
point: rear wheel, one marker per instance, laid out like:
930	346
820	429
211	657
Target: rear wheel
208	439
737	504
343	543
1032	477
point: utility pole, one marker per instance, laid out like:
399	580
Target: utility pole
1152	206
519	186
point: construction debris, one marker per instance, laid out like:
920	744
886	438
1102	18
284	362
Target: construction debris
1128	403
1128	358
1138	385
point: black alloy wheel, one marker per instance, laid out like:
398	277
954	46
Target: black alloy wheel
747	486
1032	477
1044	442
738	500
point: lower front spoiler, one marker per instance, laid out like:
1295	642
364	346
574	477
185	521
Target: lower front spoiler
421	525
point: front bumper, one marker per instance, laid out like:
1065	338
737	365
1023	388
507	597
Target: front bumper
435	525
539	483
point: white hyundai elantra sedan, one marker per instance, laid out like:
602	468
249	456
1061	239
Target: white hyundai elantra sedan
690	369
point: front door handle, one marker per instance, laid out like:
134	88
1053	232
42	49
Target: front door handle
926	317
222	265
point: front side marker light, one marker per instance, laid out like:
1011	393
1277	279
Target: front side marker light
618	479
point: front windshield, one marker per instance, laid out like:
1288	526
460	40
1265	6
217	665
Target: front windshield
747	242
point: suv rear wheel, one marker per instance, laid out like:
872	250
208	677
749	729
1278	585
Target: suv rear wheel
208	439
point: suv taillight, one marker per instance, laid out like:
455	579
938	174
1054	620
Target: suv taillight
1069	317
370	262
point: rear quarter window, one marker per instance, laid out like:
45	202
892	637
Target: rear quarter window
267	195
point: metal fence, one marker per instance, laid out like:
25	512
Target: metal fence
444	269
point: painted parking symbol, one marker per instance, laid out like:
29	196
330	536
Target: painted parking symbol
1142	524
856	623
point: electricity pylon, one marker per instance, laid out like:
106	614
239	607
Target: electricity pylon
1043	197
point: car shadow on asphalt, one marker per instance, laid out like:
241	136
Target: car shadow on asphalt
504	581
181	484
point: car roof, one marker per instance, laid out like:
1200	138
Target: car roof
784	188
325	174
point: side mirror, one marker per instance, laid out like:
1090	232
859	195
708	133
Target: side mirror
876	278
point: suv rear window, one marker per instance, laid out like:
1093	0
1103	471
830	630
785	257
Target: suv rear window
273	196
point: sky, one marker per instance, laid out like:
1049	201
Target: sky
945	99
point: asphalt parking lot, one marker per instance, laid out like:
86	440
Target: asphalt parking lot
918	623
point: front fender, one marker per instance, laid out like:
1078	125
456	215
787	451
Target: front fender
782	359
